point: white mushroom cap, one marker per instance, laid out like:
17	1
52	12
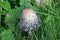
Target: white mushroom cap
29	20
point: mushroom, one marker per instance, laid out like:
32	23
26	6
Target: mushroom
29	21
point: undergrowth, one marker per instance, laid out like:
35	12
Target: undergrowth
10	11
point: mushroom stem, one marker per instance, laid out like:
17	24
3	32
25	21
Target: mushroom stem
30	34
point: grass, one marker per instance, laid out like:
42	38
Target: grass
48	13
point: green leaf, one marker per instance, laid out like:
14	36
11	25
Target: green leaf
3	12
6	5
1	1
47	19
25	3
0	20
7	35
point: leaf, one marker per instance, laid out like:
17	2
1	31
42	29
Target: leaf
25	3
47	19
3	12
1	2
6	5
1	29
7	35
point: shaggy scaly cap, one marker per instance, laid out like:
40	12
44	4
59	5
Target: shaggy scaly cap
29	20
